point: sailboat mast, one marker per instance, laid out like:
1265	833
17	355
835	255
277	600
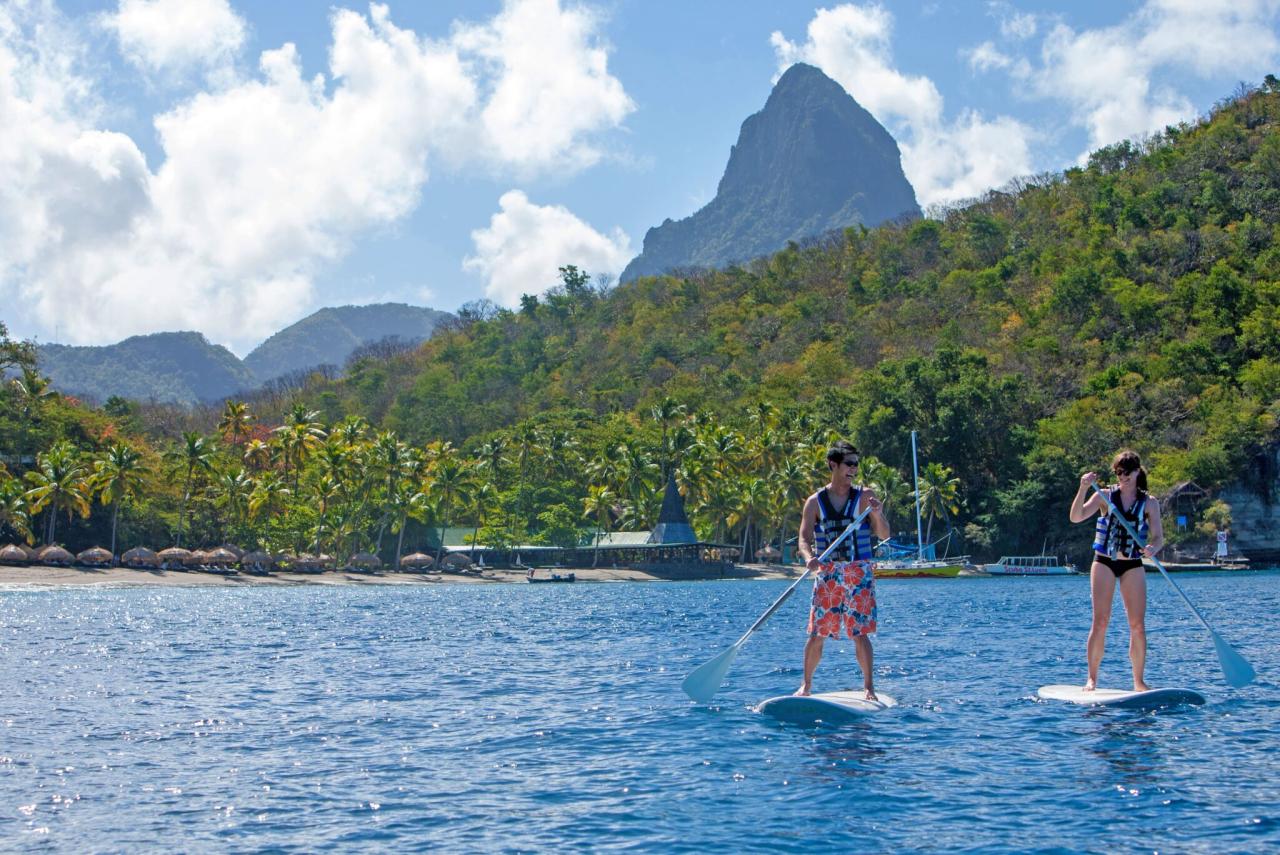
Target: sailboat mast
915	468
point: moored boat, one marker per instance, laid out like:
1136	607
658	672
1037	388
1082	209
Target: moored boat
1232	564
1029	565
941	568
554	577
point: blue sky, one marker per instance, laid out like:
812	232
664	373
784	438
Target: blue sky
232	166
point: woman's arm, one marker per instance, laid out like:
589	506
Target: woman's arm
1156	540
1081	507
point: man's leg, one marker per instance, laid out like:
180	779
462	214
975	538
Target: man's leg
866	658
812	656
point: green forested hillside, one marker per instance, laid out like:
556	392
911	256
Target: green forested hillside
1027	336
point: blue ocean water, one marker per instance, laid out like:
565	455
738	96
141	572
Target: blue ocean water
532	718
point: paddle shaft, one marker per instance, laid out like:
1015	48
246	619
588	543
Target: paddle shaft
1117	516
777	604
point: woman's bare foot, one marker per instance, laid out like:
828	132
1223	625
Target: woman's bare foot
803	691
871	695
1140	686
1089	685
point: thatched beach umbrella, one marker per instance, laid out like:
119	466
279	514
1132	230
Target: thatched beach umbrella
197	558
306	564
326	561
455	561
55	556
32	552
767	553
365	561
95	556
141	558
233	549
220	557
174	558
416	561
12	554
258	563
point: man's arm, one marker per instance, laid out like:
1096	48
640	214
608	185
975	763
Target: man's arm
806	546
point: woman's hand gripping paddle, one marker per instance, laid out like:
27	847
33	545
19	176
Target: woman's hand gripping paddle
704	681
1235	667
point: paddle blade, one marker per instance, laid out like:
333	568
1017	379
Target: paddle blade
704	681
1234	666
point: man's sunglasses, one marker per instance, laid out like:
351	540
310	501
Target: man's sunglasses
851	461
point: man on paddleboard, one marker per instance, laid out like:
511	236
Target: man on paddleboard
844	589
1117	559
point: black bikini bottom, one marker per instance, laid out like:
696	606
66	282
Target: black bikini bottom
1118	566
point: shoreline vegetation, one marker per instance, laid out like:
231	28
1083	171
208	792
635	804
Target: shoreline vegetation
38	577
1132	302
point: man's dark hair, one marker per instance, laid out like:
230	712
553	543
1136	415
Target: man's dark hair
839	450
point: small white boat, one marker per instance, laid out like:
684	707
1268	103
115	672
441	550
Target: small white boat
1029	565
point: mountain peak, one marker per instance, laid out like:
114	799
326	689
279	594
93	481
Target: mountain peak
812	160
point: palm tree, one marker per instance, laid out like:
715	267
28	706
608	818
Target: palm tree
889	485
752	496
792	481
257	455
58	480
939	494
664	413
235	421
117	477
234	492
194	456
451	480
482	496
14	511
597	506
298	436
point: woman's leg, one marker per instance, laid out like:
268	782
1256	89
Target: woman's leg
1133	592
1102	589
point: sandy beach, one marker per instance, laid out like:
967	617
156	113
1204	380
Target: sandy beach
14	576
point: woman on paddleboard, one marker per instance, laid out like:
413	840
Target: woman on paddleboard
844	590
1117	558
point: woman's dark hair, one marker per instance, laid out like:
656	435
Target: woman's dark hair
1128	461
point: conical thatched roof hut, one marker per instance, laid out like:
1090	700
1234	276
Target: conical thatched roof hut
32	552
197	558
140	557
416	561
233	549
95	556
365	561
13	554
55	556
456	561
221	556
174	558
767	553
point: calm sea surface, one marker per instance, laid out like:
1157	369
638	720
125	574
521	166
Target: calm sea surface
532	718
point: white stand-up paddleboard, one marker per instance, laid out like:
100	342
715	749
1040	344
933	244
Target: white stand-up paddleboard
1150	700
825	708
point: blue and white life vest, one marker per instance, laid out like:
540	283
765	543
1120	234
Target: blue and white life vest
856	547
1114	541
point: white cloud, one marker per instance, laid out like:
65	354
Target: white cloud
525	245
176	36
944	160
271	177
550	84
987	56
1109	75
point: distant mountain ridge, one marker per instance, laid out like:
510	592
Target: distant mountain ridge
184	367
811	161
169	366
332	334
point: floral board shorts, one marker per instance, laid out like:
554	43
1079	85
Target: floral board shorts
844	597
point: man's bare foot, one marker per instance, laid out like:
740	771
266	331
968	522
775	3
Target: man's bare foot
803	691
1139	686
871	695
1089	685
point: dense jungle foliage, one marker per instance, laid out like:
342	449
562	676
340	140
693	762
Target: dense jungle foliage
1027	336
